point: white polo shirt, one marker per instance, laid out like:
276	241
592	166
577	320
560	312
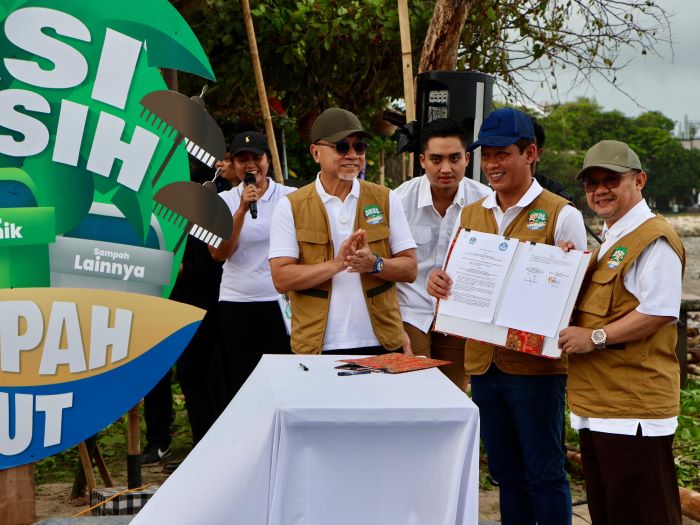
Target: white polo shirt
655	279
432	233
349	325
246	274
569	225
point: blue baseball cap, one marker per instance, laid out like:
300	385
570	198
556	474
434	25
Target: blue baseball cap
504	127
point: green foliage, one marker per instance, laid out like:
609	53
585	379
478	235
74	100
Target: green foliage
574	127
320	53
314	54
687	440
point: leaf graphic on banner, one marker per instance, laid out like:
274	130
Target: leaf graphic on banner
167	42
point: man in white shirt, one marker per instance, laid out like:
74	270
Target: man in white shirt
433	204
624	380
338	246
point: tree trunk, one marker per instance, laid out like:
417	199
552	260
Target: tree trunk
690	503
443	36
17	500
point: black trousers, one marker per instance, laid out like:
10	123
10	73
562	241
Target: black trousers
630	480
158	413
193	374
247	331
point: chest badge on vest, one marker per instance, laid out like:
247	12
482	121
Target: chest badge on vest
536	219
373	214
616	257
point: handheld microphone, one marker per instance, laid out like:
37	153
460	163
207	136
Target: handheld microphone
252	206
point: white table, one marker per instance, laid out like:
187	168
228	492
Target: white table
313	448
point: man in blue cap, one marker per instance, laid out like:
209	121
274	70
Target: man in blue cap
520	396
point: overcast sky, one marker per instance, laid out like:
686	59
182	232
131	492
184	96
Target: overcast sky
670	84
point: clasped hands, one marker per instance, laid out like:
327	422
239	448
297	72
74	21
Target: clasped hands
355	254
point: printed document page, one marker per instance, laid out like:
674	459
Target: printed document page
478	264
538	289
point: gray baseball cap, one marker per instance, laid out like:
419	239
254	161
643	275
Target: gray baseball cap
335	124
612	155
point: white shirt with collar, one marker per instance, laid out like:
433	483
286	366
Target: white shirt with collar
348	325
569	226
655	279
246	274
432	234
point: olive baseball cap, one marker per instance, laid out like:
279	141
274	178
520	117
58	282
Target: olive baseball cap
612	155
335	124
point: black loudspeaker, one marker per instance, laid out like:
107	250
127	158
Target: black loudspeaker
464	96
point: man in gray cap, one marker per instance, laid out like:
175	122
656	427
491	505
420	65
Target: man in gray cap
338	246
624	385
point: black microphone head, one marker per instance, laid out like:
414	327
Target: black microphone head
249	177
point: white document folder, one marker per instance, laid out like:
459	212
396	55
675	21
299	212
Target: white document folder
528	295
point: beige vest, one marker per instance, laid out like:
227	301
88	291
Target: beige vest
310	307
642	380
534	223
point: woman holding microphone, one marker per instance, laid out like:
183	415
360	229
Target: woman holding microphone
249	314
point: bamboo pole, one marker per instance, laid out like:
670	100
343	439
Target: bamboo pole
381	168
133	443
257	68
407	61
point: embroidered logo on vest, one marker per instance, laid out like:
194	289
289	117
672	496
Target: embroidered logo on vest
536	219
616	257
373	214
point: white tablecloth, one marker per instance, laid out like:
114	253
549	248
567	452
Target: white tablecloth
314	448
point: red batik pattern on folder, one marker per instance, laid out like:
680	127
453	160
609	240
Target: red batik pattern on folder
526	342
396	363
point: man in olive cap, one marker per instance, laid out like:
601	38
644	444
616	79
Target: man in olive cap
624	385
338	246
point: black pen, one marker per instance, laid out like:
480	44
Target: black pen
304	367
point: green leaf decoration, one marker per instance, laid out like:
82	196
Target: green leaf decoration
168	42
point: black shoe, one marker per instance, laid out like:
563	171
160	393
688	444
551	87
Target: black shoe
154	455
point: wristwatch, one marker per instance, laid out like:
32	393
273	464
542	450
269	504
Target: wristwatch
599	338
378	264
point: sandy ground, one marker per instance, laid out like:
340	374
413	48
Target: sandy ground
53	501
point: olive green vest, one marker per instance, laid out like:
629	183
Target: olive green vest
642	380
310	307
534	223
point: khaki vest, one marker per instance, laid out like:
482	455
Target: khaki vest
310	307
534	223
643	379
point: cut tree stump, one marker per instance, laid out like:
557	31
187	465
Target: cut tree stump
17	495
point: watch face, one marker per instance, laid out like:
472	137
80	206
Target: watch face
598	337
380	265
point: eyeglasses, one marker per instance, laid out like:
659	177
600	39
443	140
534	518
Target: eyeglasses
611	182
343	146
